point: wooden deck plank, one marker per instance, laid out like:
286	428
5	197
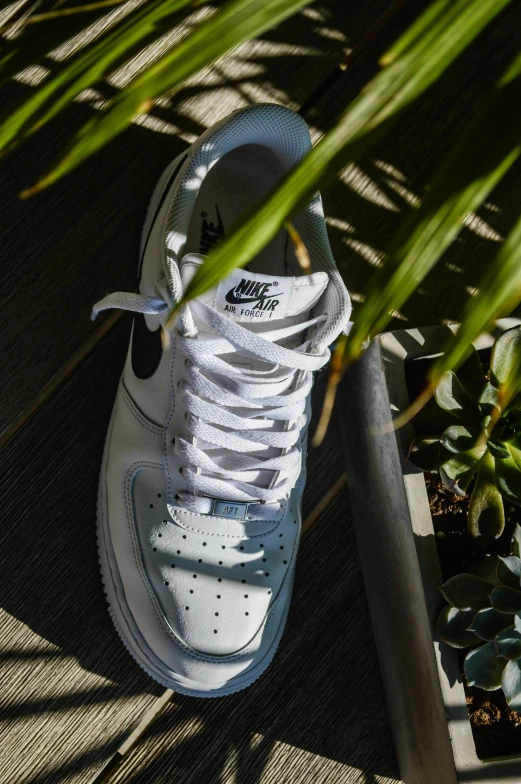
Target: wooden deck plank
68	247
70	694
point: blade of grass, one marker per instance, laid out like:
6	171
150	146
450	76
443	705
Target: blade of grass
236	21
381	103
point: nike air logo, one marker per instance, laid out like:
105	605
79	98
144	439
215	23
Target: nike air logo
248	291
211	233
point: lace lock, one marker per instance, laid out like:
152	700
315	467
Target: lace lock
232	510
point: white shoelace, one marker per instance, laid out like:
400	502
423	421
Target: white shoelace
242	424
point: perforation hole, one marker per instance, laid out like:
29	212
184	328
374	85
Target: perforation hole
215	631
184	536
200	560
282	547
160	535
246	613
194	576
218	595
241	547
243	581
187	607
219	580
191	590
173	566
178	552
166	582
154	549
216	613
285	562
245	595
264	560
266	574
151	506
220	563
204	544
159	495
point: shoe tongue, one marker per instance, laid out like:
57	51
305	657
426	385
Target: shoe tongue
253	298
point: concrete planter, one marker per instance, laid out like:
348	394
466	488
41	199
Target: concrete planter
397	549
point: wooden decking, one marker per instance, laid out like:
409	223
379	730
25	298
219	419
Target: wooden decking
71	695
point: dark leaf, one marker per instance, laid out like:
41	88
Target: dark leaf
508	643
506	600
508	478
509	572
489	622
511	684
484	668
451	396
467	592
458	438
427	453
452	627
504	352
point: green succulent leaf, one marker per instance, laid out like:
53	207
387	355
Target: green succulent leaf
517	622
484	668
467	592
511	684
453	626
458	438
508	643
506	600
505	352
508	478
509	572
489	622
488	399
486	568
514	448
516	541
497	449
486	518
452	397
427	453
471	375
458	471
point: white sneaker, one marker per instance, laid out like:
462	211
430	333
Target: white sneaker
204	466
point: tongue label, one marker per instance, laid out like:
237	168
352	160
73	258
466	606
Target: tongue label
245	296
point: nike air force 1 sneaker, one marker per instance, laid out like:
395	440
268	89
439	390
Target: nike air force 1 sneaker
199	509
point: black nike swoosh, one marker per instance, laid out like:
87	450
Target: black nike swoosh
147	348
147	345
233	300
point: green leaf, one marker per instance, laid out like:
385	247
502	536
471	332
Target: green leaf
517	622
472	375
427	453
451	396
458	472
466	177
467	592
508	478
489	622
516	541
488	399
506	600
497	449
508	643
486	518
486	568
514	447
509	572
458	438
452	627
504	352
511	684
484	668
499	293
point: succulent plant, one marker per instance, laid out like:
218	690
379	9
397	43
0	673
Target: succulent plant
477	436
484	613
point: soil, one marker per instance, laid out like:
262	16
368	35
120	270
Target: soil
495	727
